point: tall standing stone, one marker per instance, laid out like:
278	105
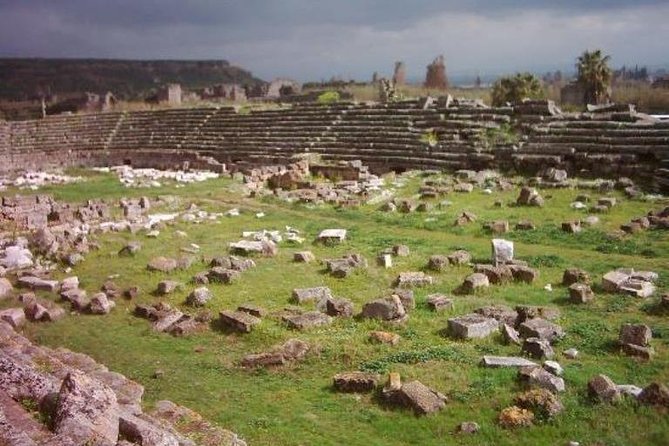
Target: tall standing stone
400	74
436	74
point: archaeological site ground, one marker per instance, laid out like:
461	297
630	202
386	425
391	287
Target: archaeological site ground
425	272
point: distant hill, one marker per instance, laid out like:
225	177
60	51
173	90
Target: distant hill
26	79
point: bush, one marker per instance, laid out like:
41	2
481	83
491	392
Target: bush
328	97
516	88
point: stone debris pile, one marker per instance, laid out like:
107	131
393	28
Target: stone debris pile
146	177
86	403
35	180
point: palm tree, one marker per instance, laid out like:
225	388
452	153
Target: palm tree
594	75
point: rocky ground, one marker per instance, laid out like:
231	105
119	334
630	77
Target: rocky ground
284	307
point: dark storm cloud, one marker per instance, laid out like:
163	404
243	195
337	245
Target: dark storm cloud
314	39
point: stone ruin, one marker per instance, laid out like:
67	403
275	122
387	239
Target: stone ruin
611	143
436	74
400	73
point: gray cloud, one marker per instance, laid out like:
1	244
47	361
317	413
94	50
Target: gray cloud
313	39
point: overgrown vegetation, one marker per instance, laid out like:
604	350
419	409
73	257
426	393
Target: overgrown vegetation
513	89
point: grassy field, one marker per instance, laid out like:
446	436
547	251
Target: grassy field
295	405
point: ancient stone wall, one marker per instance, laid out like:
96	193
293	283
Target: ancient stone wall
393	136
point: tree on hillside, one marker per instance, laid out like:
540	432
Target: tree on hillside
594	75
515	88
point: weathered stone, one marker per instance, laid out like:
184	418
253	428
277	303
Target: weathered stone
315	294
304	256
514	416
167	287
139	430
406	297
510	334
385	261
87	411
111	290
218	274
238	320
253	310
291	350
498	227
100	304
602	388
6	288
387	309
469	427
166	319
355	381
331	236
536	376
570	353
383	337
572	227
537	348
414	279
307	320
553	367
459	257
474	282
199	297
401	250
14	317
580	293
523	273
501	313
438	263
542	329
614	280
637	334
629	390
540	401
639	351
638	288
162	264
506	361
529	197
339	307
575	275
439	302
496	274
37	283
472	326
185	326
418	397
525	225
655	394
502	251
526	312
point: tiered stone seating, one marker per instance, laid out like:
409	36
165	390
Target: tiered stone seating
4	137
159	129
602	147
63	133
385	136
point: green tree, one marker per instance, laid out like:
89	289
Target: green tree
516	88
594	75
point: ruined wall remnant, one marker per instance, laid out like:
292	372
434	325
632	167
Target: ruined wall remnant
436	74
400	74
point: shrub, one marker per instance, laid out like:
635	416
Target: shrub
328	97
516	88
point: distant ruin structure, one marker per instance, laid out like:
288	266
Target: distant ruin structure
282	87
169	94
436	74
375	77
400	74
230	92
387	91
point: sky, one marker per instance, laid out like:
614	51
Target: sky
315	39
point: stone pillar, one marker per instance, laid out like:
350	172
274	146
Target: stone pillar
436	74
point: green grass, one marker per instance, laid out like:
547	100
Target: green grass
295	405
